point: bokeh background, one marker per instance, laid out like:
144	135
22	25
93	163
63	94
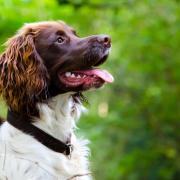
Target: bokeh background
134	123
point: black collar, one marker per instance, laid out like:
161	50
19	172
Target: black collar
22	122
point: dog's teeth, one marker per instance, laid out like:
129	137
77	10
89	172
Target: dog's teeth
78	76
67	74
72	75
84	76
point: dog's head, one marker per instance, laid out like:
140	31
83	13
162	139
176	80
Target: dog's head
48	58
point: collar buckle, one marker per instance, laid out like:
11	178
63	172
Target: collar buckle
68	151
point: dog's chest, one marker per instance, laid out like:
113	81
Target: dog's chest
23	157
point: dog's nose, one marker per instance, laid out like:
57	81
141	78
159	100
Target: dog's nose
105	40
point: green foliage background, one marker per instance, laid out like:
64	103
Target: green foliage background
134	123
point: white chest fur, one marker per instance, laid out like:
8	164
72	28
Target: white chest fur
22	157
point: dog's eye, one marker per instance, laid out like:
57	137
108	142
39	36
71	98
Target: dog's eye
60	40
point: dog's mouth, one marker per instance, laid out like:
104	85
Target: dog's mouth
86	78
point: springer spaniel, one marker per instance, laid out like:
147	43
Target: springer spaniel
43	72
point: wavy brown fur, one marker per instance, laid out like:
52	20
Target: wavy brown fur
23	76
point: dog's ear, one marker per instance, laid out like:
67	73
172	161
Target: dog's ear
23	75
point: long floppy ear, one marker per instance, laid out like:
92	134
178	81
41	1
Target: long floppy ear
23	76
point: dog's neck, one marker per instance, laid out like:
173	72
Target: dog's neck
58	116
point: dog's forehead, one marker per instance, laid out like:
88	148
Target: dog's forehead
59	25
62	26
58	28
51	26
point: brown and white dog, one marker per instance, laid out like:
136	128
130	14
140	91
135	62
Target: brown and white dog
43	71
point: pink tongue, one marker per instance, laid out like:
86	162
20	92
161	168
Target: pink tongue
103	74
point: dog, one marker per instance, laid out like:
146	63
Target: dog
43	71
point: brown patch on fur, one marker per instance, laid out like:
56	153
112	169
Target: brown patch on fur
23	76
